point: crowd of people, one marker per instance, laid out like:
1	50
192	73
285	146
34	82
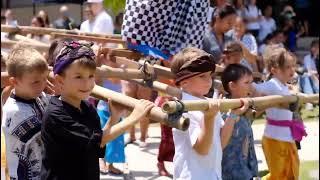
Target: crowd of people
70	135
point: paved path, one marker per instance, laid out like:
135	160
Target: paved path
141	163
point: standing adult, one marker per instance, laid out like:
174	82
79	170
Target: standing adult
10	20
222	21
267	24
65	21
102	20
86	26
253	15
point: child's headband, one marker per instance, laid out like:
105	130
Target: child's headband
200	64
70	52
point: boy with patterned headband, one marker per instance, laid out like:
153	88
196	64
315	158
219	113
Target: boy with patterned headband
72	136
198	150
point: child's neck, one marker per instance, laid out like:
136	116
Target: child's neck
284	82
195	94
22	94
72	101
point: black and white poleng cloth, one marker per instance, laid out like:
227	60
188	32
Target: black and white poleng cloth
168	25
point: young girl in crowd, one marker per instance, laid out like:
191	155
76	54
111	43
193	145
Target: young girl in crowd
239	158
72	136
278	141
248	42
198	150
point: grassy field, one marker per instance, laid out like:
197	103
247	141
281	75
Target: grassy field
305	114
309	170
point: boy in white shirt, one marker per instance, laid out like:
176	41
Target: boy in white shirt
198	150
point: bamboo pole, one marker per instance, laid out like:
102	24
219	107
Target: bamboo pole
89	38
120	73
10	44
17	37
39	31
44	48
226	104
155	113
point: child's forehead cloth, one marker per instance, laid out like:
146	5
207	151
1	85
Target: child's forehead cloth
70	52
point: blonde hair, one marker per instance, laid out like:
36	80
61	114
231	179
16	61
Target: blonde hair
23	59
278	58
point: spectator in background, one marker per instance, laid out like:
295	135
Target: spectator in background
240	7
89	19
253	16
303	13
215	38
310	79
267	24
118	23
10	19
65	21
103	22
267	41
248	42
37	21
44	15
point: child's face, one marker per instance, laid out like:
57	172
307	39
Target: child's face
198	85
77	82
232	58
242	87
31	85
286	73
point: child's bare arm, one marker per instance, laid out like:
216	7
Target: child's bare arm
204	141
227	129
139	112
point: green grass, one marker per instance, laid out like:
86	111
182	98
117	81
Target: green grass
305	114
308	170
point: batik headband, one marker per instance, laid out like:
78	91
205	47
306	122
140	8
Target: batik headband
70	52
201	64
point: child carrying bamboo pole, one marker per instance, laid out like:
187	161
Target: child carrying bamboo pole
282	130
71	132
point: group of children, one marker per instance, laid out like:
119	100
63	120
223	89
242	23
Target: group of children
60	136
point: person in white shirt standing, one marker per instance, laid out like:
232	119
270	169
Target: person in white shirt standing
267	24
103	22
86	26
253	16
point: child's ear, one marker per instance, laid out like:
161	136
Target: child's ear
13	81
273	70
231	85
59	79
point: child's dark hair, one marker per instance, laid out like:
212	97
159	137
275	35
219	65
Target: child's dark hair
55	48
232	46
233	73
315	43
222	12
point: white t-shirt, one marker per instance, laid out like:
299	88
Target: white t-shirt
252	12
86	26
103	23
309	63
267	26
188	164
275	87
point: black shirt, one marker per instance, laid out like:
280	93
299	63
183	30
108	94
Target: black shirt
71	141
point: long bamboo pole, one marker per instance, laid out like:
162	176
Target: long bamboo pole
9	44
39	31
89	38
155	113
226	104
44	48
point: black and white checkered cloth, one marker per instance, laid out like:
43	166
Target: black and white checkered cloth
165	24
